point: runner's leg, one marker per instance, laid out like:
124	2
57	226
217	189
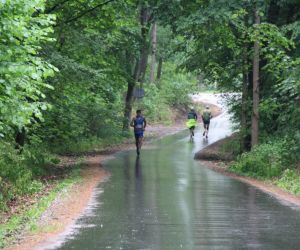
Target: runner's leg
207	126
137	143
191	134
140	142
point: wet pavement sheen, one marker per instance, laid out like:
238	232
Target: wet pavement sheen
166	200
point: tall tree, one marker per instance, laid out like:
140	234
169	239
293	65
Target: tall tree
138	77
153	51
255	111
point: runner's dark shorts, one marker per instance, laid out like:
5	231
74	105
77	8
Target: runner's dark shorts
206	123
139	134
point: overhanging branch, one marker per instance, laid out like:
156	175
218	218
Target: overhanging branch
87	11
55	7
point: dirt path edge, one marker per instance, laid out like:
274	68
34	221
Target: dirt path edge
66	208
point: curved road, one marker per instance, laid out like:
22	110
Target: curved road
166	200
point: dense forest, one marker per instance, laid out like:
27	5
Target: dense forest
250	48
70	72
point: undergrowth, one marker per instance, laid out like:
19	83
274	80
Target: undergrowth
290	181
20	171
264	161
27	218
275	160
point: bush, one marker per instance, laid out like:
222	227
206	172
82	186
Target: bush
290	181
292	152
17	171
176	88
266	160
172	90
154	105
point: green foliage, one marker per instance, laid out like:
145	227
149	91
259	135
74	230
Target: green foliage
292	153
269	159
24	29
176	88
19	171
265	161
80	107
290	181
23	71
222	51
27	218
72	121
98	52
154	105
172	91
91	54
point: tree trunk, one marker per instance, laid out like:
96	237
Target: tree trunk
244	127
129	95
140	68
159	69
255	112
153	52
20	138
245	138
128	105
145	46
143	64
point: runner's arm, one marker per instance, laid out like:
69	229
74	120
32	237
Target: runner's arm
145	123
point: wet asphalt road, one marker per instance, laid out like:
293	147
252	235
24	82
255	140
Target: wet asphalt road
166	200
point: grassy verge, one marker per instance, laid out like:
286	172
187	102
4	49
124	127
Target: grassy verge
289	181
275	161
27	218
91	145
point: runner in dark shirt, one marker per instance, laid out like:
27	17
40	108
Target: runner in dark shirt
139	124
206	116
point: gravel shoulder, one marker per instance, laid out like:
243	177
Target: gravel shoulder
65	209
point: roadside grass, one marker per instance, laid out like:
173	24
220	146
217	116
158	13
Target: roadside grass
91	145
289	181
275	161
27	219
